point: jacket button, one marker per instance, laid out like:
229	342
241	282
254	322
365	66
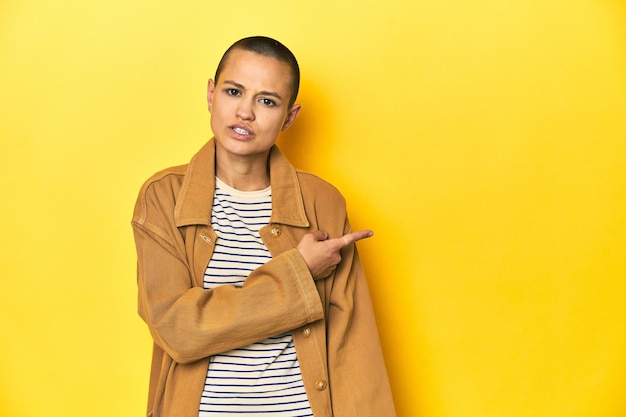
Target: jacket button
321	385
276	231
305	332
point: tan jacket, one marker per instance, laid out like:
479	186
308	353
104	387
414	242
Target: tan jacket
331	319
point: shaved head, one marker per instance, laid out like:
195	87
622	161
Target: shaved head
270	48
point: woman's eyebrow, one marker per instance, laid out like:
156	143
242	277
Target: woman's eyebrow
263	93
235	84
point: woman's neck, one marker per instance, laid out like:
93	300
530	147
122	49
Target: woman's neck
243	174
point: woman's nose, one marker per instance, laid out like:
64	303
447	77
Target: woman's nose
245	110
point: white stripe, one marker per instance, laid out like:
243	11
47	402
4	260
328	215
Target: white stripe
264	377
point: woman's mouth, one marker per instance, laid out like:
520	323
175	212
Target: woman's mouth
241	131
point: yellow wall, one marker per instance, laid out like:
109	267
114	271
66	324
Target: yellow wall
484	142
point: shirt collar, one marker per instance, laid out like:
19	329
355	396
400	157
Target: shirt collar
195	198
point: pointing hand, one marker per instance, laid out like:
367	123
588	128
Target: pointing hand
321	254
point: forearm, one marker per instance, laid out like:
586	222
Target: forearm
191	323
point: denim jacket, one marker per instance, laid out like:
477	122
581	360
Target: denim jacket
331	319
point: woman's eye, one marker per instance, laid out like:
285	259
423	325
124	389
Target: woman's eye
268	102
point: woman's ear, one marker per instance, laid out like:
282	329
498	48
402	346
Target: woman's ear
209	94
291	116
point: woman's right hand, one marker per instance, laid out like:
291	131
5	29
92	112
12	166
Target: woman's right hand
322	254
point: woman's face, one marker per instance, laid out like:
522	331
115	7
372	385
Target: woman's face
250	104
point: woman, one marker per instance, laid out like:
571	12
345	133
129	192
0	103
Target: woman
248	275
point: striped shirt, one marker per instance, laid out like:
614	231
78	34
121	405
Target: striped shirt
263	378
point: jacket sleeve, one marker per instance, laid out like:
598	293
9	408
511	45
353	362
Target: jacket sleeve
356	364
190	323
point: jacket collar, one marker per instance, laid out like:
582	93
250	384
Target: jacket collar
195	199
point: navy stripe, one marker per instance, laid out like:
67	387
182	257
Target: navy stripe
265	377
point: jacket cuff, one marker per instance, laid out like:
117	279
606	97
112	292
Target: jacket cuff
306	283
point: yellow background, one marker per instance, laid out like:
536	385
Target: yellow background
483	141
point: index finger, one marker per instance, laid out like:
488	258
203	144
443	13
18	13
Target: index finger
350	238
